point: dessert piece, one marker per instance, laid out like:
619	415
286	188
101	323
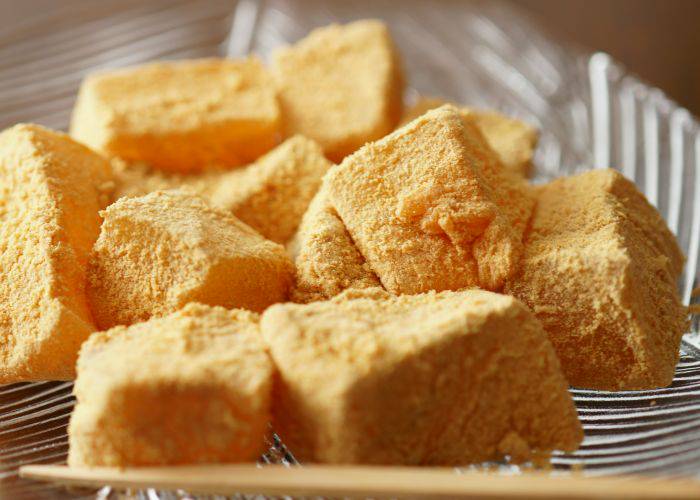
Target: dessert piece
138	179
514	141
180	116
51	190
434	379
191	387
272	194
340	86
422	105
326	259
158	252
430	207
599	271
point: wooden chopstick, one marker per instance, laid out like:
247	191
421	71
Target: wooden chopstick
361	481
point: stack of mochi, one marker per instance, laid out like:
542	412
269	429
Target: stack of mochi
221	245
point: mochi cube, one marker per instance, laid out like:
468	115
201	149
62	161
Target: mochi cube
181	116
430	207
434	379
190	387
272	194
158	252
51	192
340	86
599	271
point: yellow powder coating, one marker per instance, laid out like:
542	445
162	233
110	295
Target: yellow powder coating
192	387
51	190
422	106
431	379
341	86
180	116
600	270
431	208
326	259
137	179
514	141
158	252
270	195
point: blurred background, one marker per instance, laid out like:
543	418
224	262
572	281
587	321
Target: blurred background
657	39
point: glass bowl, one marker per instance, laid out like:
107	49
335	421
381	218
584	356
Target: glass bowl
591	112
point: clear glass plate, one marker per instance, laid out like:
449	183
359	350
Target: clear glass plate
591	113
